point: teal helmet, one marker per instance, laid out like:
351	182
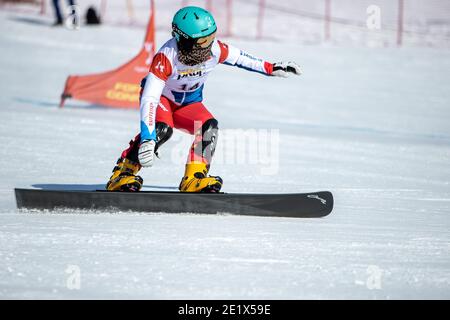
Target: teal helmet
190	23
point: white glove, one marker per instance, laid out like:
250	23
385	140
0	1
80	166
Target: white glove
283	69
146	153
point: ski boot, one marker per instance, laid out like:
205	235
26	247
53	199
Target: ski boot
196	180
124	176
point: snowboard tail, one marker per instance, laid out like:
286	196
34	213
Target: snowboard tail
296	205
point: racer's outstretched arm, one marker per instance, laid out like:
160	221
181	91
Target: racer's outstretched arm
233	56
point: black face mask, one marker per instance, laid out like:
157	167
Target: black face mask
191	54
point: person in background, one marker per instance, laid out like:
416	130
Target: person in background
58	14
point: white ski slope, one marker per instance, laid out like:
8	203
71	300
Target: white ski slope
370	125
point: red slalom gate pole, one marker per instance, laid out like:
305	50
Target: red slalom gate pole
209	5
229	17
327	22
260	22
401	8
43	6
103	4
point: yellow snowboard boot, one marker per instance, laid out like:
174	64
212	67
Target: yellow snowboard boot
124	177
196	180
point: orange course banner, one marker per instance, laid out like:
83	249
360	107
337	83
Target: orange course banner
117	88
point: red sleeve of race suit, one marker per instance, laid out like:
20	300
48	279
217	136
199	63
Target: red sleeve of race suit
161	66
223	51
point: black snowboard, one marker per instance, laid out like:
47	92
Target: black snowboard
296	205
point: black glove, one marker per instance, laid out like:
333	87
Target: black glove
282	69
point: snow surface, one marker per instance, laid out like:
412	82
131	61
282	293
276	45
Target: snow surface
370	125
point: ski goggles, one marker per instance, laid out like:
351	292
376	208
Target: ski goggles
202	42
205	42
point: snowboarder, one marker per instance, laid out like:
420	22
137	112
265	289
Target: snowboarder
171	97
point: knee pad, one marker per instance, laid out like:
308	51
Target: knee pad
163	133
210	134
